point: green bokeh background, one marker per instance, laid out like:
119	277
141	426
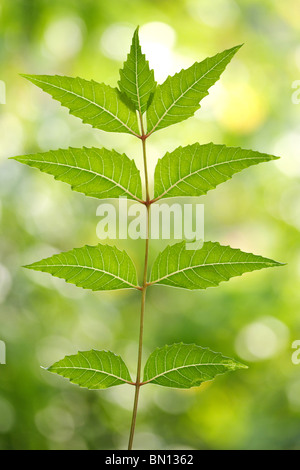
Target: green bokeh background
255	318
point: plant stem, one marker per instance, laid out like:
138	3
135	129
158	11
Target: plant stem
144	289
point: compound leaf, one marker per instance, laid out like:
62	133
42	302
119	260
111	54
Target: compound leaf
93	369
99	173
179	96
136	78
213	263
195	169
101	267
186	365
94	103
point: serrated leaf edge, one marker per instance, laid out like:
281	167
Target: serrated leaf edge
35	267
136	37
183	243
236	365
32	79
48	369
23	159
264	160
236	48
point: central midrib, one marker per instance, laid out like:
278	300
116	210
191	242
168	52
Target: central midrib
204	265
185	367
83	267
206	168
93	370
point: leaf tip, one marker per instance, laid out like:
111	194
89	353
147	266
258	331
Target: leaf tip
233	365
233	50
27	266
241	366
239	46
276	264
27	76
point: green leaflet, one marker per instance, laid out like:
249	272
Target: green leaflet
93	369
177	267
136	78
186	366
179	96
195	169
95	172
96	104
101	267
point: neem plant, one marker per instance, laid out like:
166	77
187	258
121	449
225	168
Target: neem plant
139	107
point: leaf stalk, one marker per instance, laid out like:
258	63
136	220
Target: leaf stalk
143	289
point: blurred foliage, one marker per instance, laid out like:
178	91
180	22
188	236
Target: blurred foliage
255	318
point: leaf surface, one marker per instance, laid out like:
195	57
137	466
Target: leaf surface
186	366
94	103
179	97
213	263
99	173
93	369
101	267
196	169
136	77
